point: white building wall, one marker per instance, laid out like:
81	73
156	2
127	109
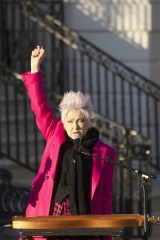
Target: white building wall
128	30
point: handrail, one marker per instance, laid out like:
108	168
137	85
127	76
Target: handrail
77	42
115	82
16	79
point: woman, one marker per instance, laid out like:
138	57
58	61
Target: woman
67	182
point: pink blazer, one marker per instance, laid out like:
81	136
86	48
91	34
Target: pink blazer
53	131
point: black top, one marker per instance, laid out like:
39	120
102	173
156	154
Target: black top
73	177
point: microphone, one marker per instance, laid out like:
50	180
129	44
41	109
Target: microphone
77	142
76	148
147	175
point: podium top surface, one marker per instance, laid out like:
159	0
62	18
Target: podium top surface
78	221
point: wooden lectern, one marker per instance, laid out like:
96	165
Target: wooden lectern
76	225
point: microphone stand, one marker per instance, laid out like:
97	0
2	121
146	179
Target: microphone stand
144	179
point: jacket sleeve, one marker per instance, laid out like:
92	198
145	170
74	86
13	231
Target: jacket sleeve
107	179
45	118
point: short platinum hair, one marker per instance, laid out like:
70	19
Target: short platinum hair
76	100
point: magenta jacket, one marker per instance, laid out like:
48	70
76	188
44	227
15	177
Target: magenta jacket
53	132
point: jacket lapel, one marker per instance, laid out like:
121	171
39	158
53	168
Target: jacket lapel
97	165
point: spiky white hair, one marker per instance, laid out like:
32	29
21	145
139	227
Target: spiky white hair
76	100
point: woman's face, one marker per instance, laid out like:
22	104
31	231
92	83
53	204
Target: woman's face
75	122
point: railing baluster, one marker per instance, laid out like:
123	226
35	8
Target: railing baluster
17	125
53	62
106	85
90	77
98	84
8	145
123	102
139	110
114	97
66	72
75	77
82	80
131	96
148	125
1	148
157	132
26	140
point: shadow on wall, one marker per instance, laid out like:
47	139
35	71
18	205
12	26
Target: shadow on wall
125	29
128	20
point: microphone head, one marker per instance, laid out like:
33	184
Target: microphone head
77	136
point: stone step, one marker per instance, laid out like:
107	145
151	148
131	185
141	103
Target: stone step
21	176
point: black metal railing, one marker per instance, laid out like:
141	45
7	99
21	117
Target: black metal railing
117	91
74	63
20	139
19	35
17	123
